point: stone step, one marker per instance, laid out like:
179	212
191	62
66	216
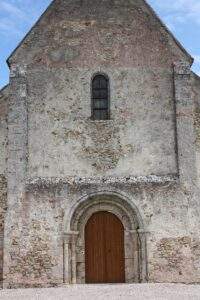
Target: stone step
110	292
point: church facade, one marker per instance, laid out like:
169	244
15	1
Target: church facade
100	151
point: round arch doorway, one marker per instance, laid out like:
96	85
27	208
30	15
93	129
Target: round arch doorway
104	249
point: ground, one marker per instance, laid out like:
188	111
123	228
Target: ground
111	292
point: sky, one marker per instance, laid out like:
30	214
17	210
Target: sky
18	16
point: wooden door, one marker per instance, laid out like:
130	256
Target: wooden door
104	249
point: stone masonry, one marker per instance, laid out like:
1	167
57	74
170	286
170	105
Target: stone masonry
58	166
3	159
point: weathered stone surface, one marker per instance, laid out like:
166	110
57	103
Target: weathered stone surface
172	254
4	94
3	209
3	201
142	164
196	96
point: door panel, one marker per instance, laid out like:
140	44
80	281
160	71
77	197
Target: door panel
104	249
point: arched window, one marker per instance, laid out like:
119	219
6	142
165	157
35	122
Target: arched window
100	98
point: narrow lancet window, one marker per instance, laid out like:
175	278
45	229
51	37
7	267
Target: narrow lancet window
100	98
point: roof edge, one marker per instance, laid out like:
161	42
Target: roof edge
27	34
4	88
191	59
196	75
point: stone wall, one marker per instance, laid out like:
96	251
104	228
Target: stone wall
73	41
3	201
4	94
140	137
195	242
58	156
38	260
172	253
3	209
196	96
138	140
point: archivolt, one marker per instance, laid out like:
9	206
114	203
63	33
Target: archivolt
135	238
114	202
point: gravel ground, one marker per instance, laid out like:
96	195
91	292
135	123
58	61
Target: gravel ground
110	292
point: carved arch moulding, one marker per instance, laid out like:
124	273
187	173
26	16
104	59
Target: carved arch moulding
134	236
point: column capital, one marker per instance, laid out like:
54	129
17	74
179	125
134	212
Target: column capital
70	237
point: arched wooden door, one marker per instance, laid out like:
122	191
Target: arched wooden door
104	249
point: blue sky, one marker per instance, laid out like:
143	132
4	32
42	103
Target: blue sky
17	17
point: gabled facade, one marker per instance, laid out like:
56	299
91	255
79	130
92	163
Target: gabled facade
100	159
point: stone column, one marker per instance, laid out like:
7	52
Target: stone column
69	267
67	259
184	123
74	240
143	260
132	249
138	240
16	167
